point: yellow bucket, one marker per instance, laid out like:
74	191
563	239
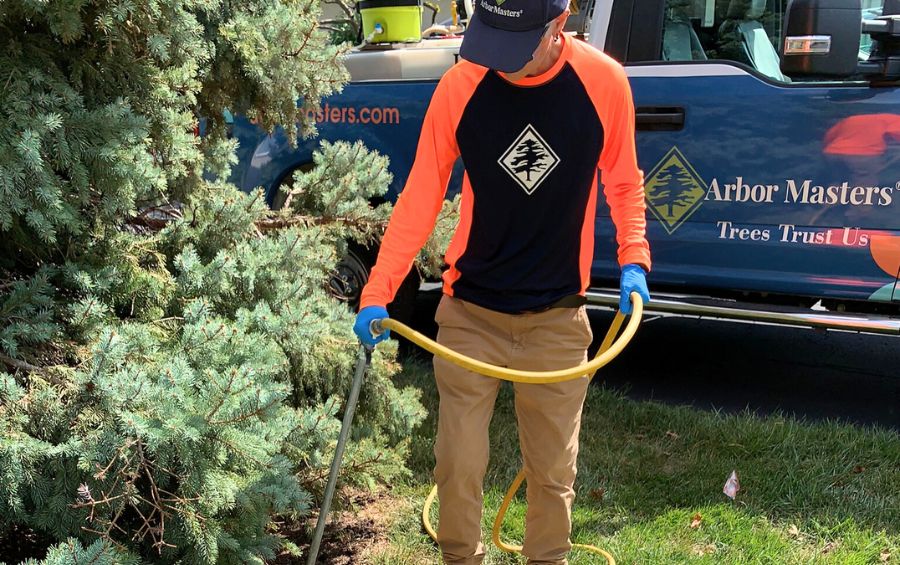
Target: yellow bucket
400	21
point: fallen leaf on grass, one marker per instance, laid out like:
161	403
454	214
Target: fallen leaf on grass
597	494
794	531
671	434
885	556
695	521
732	486
859	469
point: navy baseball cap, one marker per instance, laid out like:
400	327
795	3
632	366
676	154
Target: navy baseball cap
503	34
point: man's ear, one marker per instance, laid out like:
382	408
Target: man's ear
559	24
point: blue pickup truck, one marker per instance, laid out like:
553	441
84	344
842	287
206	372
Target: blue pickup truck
769	136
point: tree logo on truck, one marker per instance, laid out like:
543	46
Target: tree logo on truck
529	160
674	190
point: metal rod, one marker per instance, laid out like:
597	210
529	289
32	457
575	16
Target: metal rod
362	364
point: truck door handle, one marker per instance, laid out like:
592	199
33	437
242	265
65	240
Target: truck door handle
659	118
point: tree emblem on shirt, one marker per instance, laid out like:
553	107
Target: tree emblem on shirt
529	160
674	190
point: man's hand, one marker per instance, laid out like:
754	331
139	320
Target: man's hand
364	320
634	279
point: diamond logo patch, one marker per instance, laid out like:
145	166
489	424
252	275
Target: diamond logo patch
674	190
529	160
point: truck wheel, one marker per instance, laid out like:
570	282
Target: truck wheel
352	274
279	196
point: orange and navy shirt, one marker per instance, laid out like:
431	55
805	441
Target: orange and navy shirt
531	152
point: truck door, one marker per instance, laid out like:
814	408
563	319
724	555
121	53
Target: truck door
754	183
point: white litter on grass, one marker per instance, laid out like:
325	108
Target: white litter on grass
732	486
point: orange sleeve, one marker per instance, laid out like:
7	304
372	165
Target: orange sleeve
420	201
623	181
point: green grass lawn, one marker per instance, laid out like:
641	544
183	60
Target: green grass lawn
810	492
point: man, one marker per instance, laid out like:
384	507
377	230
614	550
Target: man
533	114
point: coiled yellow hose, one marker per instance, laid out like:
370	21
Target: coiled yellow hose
608	351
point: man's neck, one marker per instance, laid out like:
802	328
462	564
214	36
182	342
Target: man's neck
553	55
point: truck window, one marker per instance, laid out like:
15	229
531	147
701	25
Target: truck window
871	10
744	31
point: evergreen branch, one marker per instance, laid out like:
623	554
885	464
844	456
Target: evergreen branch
307	36
246	416
235	449
28	368
348	469
363	224
175	497
217	217
87	311
100	475
100	366
225	393
209	338
256	194
105	536
169	319
277	223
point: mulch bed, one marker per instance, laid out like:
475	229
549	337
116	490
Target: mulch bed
347	534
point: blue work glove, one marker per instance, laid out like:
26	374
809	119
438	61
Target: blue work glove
364	320
634	279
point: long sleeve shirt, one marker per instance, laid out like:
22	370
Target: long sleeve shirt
531	151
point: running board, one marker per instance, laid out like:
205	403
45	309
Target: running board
730	310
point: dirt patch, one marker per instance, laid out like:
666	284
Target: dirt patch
351	535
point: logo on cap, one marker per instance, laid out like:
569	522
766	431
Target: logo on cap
529	160
501	11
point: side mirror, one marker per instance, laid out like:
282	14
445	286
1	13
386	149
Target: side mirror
821	38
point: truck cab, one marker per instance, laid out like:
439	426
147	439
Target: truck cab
772	181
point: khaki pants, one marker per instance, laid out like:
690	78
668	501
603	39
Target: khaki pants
549	418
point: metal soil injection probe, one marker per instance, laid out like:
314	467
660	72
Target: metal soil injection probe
362	365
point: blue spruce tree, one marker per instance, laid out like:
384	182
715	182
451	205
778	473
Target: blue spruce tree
174	363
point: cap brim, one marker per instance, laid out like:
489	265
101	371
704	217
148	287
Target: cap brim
501	50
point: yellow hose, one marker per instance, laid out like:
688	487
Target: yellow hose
609	349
